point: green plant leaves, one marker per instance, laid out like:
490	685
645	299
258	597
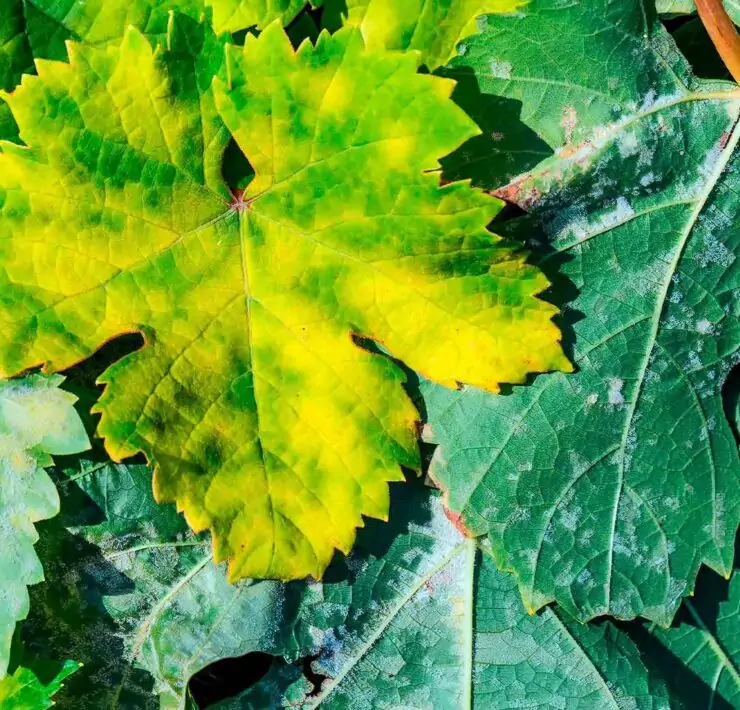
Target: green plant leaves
250	380
706	643
37	420
25	690
393	624
136	597
418	617
432	29
606	490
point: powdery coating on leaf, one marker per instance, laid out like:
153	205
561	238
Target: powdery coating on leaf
136	597
634	470
36	420
428	621
266	422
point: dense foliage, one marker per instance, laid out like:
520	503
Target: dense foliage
398	344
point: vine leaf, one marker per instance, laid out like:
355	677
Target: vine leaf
37	420
33	688
137	598
418	616
432	28
266	422
39	29
607	490
235	15
135	595
704	643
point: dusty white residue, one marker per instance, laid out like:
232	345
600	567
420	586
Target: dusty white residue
615	391
569	122
500	70
574	224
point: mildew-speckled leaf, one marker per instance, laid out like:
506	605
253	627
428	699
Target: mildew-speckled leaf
701	651
607	490
265	421
37	420
137	598
432	28
418	617
27	689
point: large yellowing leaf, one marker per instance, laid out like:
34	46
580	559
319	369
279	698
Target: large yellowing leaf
38	29
265	421
432	28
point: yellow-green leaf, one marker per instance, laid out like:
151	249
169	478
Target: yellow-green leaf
432	28
265	421
233	15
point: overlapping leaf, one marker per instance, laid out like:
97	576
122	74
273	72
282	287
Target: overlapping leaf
431	28
606	490
266	422
701	652
37	420
137	598
26	690
686	7
39	29
417	617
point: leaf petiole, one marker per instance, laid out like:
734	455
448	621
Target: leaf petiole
723	33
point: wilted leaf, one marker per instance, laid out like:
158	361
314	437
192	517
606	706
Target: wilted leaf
432	28
607	490
266	422
419	617
37	420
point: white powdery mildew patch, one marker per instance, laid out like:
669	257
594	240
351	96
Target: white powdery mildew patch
574	223
500	70
714	252
615	395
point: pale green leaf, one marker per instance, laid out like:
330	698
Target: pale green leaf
687	7
37	420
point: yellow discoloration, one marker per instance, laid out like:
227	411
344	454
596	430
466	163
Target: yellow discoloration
266	423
